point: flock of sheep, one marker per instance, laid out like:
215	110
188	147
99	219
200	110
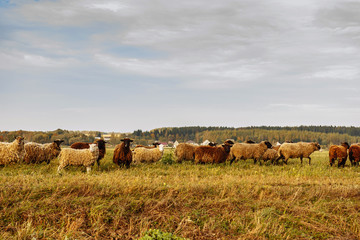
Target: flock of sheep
243	151
86	154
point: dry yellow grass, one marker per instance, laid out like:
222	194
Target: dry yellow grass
241	201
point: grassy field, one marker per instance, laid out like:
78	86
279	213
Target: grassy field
242	201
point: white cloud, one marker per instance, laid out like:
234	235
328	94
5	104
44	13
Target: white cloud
338	72
109	6
15	60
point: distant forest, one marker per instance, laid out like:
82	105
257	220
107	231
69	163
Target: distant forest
324	135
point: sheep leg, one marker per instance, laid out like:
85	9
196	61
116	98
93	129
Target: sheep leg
98	163
232	160
309	160
331	162
127	164
343	162
88	169
301	159
255	160
277	160
339	164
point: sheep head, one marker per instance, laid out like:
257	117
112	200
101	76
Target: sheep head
93	147
127	142
226	147
20	142
345	145
100	143
161	147
316	146
268	144
229	142
58	142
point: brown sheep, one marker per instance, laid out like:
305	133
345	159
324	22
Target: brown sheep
209	154
297	150
249	151
185	152
38	153
338	152
354	154
100	143
270	155
122	153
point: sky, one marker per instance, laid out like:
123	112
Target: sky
119	66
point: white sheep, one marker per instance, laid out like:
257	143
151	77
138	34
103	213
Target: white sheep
148	155
38	153
248	151
78	157
297	150
12	152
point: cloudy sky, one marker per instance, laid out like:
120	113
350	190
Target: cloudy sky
122	65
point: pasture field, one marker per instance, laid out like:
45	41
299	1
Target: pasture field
241	201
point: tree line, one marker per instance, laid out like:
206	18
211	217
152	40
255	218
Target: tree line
69	137
324	135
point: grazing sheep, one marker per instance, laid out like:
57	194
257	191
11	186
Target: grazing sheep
270	155
297	150
12	152
354	154
185	152
80	145
99	142
148	155
249	151
338	152
122	153
154	145
78	157
209	154
38	153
